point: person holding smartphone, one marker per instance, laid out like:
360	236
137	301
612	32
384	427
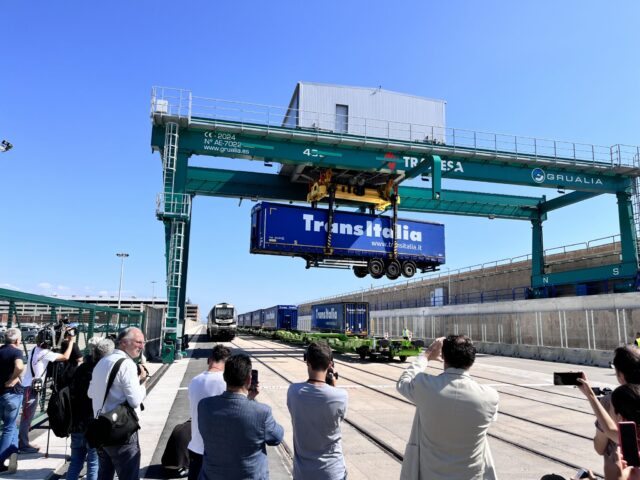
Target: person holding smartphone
626	364
624	400
236	430
317	410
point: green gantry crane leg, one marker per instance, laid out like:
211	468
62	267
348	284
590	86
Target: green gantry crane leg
537	252
176	216
628	240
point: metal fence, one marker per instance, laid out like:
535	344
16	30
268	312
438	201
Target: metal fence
181	104
589	328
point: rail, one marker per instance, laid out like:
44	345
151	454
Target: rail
178	103
601	244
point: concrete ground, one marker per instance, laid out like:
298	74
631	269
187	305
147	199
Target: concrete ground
167	405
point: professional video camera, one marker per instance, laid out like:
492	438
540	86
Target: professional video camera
51	335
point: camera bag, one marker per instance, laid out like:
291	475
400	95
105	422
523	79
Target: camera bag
36	382
114	427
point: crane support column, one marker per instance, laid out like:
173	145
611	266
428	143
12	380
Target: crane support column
537	253
436	176
628	241
175	211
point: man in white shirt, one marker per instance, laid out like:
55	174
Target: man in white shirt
36	368
128	386
448	438
208	384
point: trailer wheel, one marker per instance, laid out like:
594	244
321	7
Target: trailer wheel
376	267
360	272
408	269
393	269
403	358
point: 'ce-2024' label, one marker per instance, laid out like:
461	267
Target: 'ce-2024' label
223	143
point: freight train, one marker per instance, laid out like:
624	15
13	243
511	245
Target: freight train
221	322
345	325
278	317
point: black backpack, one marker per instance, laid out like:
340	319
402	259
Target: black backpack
59	412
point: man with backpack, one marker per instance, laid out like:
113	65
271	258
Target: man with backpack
83	410
33	383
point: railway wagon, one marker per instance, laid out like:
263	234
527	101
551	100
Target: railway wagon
350	318
280	317
256	319
242	320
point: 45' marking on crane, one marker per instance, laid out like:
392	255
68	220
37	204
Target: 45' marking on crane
314	153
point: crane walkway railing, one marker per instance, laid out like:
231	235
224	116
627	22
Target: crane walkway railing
168	103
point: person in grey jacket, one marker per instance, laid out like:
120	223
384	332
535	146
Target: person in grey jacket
236	429
453	413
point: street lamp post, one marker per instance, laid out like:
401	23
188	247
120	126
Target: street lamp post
153	292
449	287
122	257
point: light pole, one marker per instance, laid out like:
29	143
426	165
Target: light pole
449	287
122	257
153	292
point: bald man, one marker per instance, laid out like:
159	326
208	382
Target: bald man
128	386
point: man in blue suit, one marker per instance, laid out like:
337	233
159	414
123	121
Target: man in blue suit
236	429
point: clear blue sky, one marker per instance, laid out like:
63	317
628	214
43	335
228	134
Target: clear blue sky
81	181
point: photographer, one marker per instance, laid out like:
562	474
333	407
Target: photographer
33	382
624	401
317	409
626	362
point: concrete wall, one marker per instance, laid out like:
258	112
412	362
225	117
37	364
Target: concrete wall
502	278
571	329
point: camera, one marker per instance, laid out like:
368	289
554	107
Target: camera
51	335
331	375
37	384
601	391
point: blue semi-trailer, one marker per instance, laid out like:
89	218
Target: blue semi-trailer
364	242
350	318
280	317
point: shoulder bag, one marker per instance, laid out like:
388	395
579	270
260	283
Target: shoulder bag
114	427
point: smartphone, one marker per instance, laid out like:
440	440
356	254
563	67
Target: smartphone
254	379
566	378
582	473
629	443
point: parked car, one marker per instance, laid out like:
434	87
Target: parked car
28	333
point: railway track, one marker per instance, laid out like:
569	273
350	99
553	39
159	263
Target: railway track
377	441
348	362
499	437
